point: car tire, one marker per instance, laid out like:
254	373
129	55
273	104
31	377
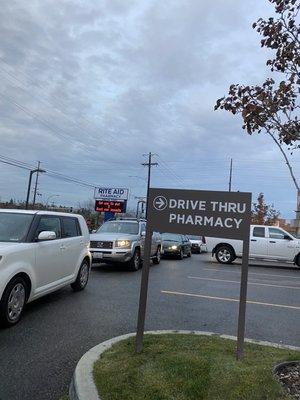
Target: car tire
157	258
181	255
298	260
225	254
82	277
13	302
135	262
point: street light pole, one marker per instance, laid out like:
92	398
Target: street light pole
33	171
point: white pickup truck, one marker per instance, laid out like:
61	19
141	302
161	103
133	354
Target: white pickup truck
266	242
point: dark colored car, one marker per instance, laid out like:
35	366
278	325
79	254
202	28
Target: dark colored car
176	245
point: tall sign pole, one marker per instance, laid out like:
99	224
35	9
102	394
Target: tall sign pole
243	300
143	291
297	221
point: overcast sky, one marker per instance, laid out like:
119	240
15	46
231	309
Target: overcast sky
88	87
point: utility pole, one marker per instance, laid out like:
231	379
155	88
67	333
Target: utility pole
149	164
33	171
36	183
230	175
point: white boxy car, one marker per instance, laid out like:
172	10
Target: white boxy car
266	243
40	252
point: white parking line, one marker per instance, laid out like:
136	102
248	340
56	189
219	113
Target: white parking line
251	273
229	299
249	283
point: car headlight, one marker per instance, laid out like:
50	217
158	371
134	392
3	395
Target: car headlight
124	244
174	247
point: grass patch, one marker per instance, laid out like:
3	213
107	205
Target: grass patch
189	367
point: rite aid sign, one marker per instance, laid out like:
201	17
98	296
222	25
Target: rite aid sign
211	213
103	193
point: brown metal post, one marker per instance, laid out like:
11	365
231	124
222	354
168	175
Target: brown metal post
143	292
243	300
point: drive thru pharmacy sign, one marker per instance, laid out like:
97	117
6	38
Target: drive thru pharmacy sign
198	212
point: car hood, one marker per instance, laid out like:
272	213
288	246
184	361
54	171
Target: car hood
110	237
170	243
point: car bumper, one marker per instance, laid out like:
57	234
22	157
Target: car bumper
196	248
169	252
110	256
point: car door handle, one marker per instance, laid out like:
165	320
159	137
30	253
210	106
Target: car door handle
253	240
272	241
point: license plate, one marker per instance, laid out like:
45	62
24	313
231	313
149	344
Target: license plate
98	255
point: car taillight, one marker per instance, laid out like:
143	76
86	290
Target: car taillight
203	239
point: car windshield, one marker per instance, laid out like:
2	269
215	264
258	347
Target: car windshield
131	228
172	237
14	226
194	237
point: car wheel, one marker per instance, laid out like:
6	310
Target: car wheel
181	255
135	262
157	258
82	277
225	255
298	260
13	301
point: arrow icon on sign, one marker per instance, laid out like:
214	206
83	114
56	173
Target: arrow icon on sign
160	203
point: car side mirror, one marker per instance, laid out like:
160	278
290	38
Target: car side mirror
287	237
46	235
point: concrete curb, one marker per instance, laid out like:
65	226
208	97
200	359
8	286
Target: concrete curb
82	386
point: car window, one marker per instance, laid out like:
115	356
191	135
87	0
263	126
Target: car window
259	231
70	227
132	228
49	223
14	226
172	236
194	237
275	233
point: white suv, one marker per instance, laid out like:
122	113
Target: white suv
40	252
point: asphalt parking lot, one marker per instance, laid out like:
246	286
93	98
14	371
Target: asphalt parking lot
38	356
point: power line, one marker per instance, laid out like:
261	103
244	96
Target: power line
178	178
48	172
58	131
57	99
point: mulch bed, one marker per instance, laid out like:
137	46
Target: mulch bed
289	377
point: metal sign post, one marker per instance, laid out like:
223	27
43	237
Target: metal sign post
243	301
215	214
143	292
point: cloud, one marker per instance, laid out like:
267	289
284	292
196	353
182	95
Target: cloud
89	87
